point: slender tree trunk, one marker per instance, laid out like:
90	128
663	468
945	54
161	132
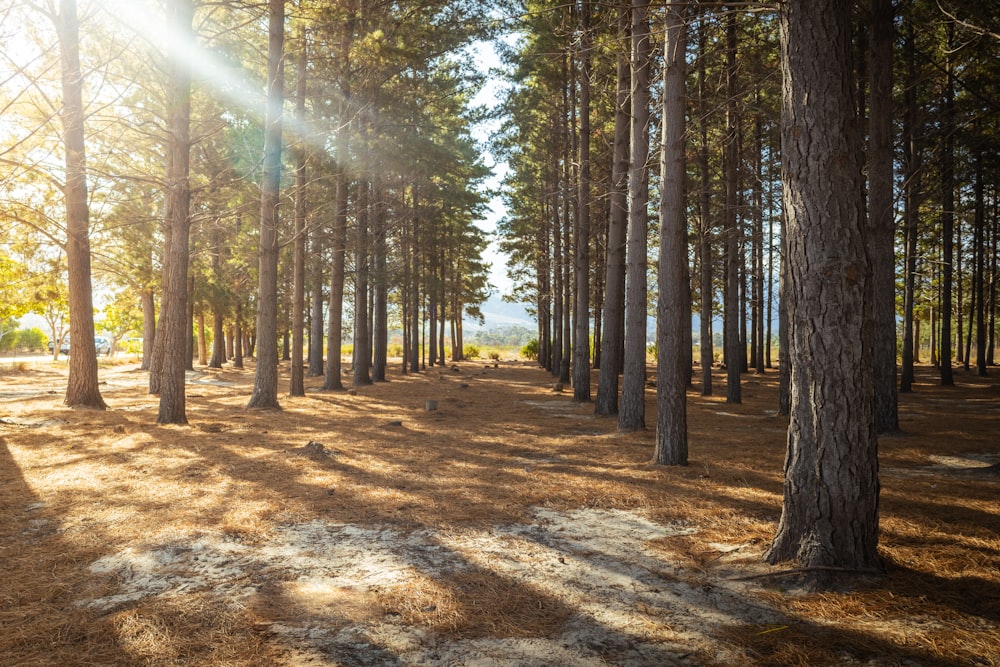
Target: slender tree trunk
82	388
830	513
979	243
218	338
673	360
173	344
380	321
612	339
947	220
881	217
297	381
735	356
148	326
581	266
912	186
706	289
238	337
362	358
632	408
415	287
202	338
265	386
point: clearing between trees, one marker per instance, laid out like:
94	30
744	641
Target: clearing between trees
507	526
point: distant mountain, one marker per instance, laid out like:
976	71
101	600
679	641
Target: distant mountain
501	313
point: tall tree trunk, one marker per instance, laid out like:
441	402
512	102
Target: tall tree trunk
612	343
912	187
362	351
979	269
829	516
735	351
148	326
706	291
297	385
176	333
947	219
82	389
415	286
316	309
757	293
238	336
380	321
632	408
218	338
673	360
265	385
881	218
581	266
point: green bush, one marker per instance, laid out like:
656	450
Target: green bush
530	351
470	351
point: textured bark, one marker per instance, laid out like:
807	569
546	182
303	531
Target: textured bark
830	512
706	291
947	221
632	408
176	333
265	385
672	313
148	326
735	351
979	245
218	338
82	389
881	218
612	340
912	198
362	351
297	381
581	256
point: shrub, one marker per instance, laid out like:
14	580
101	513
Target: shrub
494	355
470	351
530	351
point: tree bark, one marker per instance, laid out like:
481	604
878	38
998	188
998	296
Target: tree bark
912	197
672	314
881	218
265	386
581	265
947	220
735	351
82	389
632	408
297	385
706	291
612	340
830	512
176	333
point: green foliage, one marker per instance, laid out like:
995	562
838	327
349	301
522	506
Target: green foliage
530	350
512	335
470	351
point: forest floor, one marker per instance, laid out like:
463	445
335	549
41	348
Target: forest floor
508	526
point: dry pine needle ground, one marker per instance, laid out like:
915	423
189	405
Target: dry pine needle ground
472	486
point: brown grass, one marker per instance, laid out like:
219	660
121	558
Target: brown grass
78	485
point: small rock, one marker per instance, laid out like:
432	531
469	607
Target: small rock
395	422
118	428
431	405
558	386
464	385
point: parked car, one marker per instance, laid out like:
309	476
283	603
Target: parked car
101	343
